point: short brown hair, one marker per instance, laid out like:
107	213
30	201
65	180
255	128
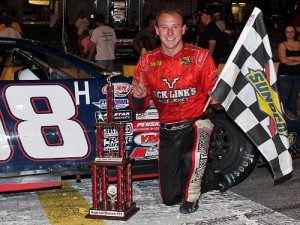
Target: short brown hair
170	9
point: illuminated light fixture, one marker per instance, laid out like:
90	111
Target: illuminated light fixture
39	2
240	3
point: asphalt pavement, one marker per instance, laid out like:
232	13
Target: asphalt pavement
254	201
283	198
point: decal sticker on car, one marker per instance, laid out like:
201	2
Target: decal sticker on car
120	89
144	153
119	116
146	126
120	103
150	114
147	139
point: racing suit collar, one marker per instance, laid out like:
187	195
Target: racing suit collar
177	55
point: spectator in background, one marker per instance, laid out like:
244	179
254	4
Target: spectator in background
211	36
9	31
191	35
289	71
219	22
85	42
14	25
296	22
82	23
104	43
145	38
53	25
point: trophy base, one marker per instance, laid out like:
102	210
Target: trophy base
113	214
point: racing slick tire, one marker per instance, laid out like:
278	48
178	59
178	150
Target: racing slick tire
231	151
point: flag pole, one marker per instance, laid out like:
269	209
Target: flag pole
207	103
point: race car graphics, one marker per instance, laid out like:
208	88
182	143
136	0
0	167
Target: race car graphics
147	139
120	103
120	89
144	153
41	122
120	116
150	114
146	126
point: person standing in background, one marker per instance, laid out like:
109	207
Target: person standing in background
53	25
191	35
85	43
82	23
219	22
211	36
14	23
103	41
9	31
296	22
289	71
145	38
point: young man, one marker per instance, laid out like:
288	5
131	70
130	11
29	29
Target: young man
178	78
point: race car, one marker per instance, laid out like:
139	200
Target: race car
50	103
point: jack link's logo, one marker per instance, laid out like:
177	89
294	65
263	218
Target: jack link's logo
170	85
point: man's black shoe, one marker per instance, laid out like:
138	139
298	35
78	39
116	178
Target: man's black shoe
188	207
214	180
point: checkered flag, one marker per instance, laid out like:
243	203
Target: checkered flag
247	90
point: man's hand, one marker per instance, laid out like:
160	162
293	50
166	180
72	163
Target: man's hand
213	101
139	89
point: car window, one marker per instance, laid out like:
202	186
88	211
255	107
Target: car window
64	69
9	66
24	64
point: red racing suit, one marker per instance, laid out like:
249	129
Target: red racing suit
179	88
178	85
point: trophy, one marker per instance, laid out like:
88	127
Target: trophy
111	201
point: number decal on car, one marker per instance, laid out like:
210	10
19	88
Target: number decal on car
46	124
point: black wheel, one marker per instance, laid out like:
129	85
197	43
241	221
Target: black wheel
231	151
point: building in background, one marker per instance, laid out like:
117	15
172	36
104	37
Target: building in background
119	13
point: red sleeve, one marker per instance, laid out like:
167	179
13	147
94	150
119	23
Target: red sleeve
209	74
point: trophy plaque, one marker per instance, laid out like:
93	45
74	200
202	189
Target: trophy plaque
111	201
